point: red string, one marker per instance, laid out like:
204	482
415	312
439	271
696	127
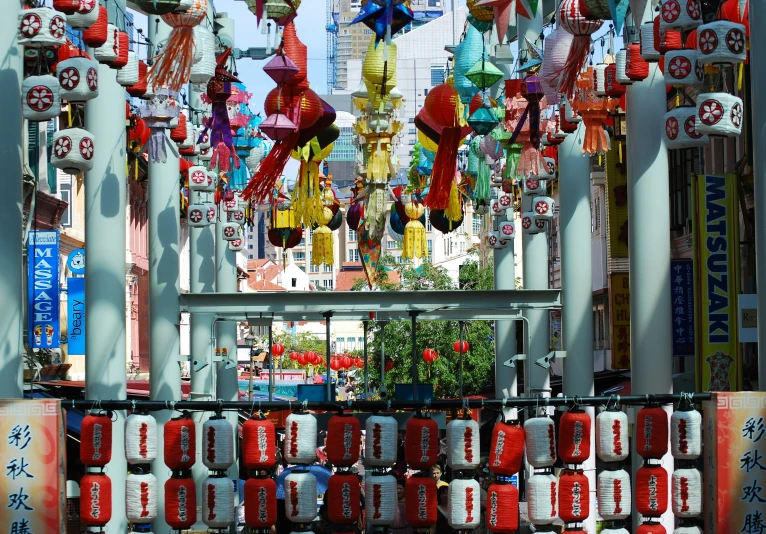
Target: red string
262	183
444	170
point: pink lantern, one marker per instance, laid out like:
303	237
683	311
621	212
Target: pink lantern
281	69
278	127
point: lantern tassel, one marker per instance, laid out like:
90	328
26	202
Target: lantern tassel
444	169
529	161
172	67
307	198
414	245
322	246
453	211
262	183
578	55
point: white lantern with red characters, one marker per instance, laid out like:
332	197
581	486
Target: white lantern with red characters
540	441
380	499
40	98
532	185
463	444
230	231
78	78
543	208
719	114
72	150
680	128
680	14
141	498
530	225
495	241
614	494
237	245
41	27
84	17
110	50
380	441
721	43
218	509
200	179
683	68
464	511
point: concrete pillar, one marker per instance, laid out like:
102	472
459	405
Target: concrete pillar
11	262
506	379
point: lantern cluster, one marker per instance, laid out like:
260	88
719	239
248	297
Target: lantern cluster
141	484
180	454
342	448
345	361
506	453
613	484
259	455
300	450
217	452
686	446
95	485
651	478
542	486
574	449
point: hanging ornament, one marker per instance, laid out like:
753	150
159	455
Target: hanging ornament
97	34
158	7
140	497
85	16
95	499
650	528
686	488
384	17
573	497
620	68
140	439
502	508
530	225
40	98
573	20
96	440
414	232
78	79
614	499
651	490
41	27
463	451
542	499
683	68
260	502
109	51
443	106
180	441
343	496
217	443
574	437
129	75
300	439
380	441
721	43
467	52
540	440
218	501
680	14
158	114
203	68
664	39
258	444
123	46
343	439
180	502
556	53
544	208
517	112
594	112
652	432
532	186
502	13
73	150
612	444
421	442
495	240
301	496
464	504
421	498
686	434
719	114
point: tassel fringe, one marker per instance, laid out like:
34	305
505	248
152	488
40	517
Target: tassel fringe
307	196
454	210
262	183
578	55
444	170
414	245
172	67
322	246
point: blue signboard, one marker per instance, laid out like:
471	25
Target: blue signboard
43	289
682	290
75	304
76	261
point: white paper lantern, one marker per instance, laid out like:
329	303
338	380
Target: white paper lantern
301	495
140	439
300	438
203	139
530	224
230	205
41	27
548	169
230	231
380	499
203	69
141	498
200	179
507	230
463	444
686	434
464	497
78	78
556	51
532	186
40	98
680	129
254	159
128	75
542	499
380	441
498	206
614	497
686	493
110	50
719	114
683	14
543	208
212	181
620	62
688	530
495	241
237	216
237	245
85	16
217	443
612	444
205	154
195	216
569	114
218	502
540	441
599	79
680	68
72	150
614	531
211	212
721	43
648	52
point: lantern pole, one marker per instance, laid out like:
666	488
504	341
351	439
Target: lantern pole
382	354
11	205
328	348
414	316
460	346
271	366
105	263
366	325
651	341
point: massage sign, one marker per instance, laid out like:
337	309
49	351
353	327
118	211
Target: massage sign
43	289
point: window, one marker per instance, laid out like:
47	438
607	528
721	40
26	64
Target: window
351	344
361	342
249	247
327	268
313	268
302	268
353	254
476	222
411	142
437	75
429	228
351	235
249	256
413	131
299	256
434	3
462	247
327	284
294	282
303	242
411	120
341	344
430	244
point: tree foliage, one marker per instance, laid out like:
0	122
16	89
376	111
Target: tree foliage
300	342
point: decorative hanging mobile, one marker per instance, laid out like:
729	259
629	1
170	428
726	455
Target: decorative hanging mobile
573	20
594	111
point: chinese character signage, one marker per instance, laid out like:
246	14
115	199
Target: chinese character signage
43	289
75	302
717	246
619	297
33	490
682	291
735	463
616	207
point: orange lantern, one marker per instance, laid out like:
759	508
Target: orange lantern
594	111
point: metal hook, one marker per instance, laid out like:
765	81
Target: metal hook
388	404
305	405
577	401
609	402
173	405
133	404
219	411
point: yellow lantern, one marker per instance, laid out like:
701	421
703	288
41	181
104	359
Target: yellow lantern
414	245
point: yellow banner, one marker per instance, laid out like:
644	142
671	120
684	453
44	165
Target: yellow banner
717	279
619	298
617	206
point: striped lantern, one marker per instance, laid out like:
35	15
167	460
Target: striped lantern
620	64
574	496
614	498
506	450
599	79
180	443
180	503
196	215
260	502
463	444
686	434
259	444
683	14
648	51
556	51
612	86
651	528
542	499
40	98
651	490
300	439
84	17
543	207
421	444
96	34
721	43
73	150
41	27
128	75
574	437
96	440
343	498
612	444
218	502
110	50
141	498
680	129
344	436
421	501
95	499
464	511
78	79
217	443
719	114
230	231
301	497
686	488
683	68
540	441
532	185
380	441
665	39
502	509
140	439
652	432
636	67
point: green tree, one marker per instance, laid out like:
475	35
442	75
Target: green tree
301	342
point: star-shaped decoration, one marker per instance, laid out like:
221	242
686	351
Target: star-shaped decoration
378	14
531	57
618	9
502	10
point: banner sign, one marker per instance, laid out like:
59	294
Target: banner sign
75	304
682	291
735	463
619	297
43	289
616	206
33	490
717	249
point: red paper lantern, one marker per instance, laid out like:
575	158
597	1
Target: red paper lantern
359	363
651	491
636	67
506	450
260	502
95	499
138	89
343	498
344	436
430	355
180	443
178	134
502	508
651	528
652	427
124	45
180	503
294	355
277	349
441	106
96	440
389	365
421	444
334	364
67	6
612	86
259	444
318	360
456	346
574	497
574	437
95	36
346	362
420	501
666	40
303	359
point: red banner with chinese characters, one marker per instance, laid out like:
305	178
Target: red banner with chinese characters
734	427
33	490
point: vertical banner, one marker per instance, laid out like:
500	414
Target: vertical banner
682	291
33	490
43	289
717	249
735	463
555	329
616	207
619	300
76	315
